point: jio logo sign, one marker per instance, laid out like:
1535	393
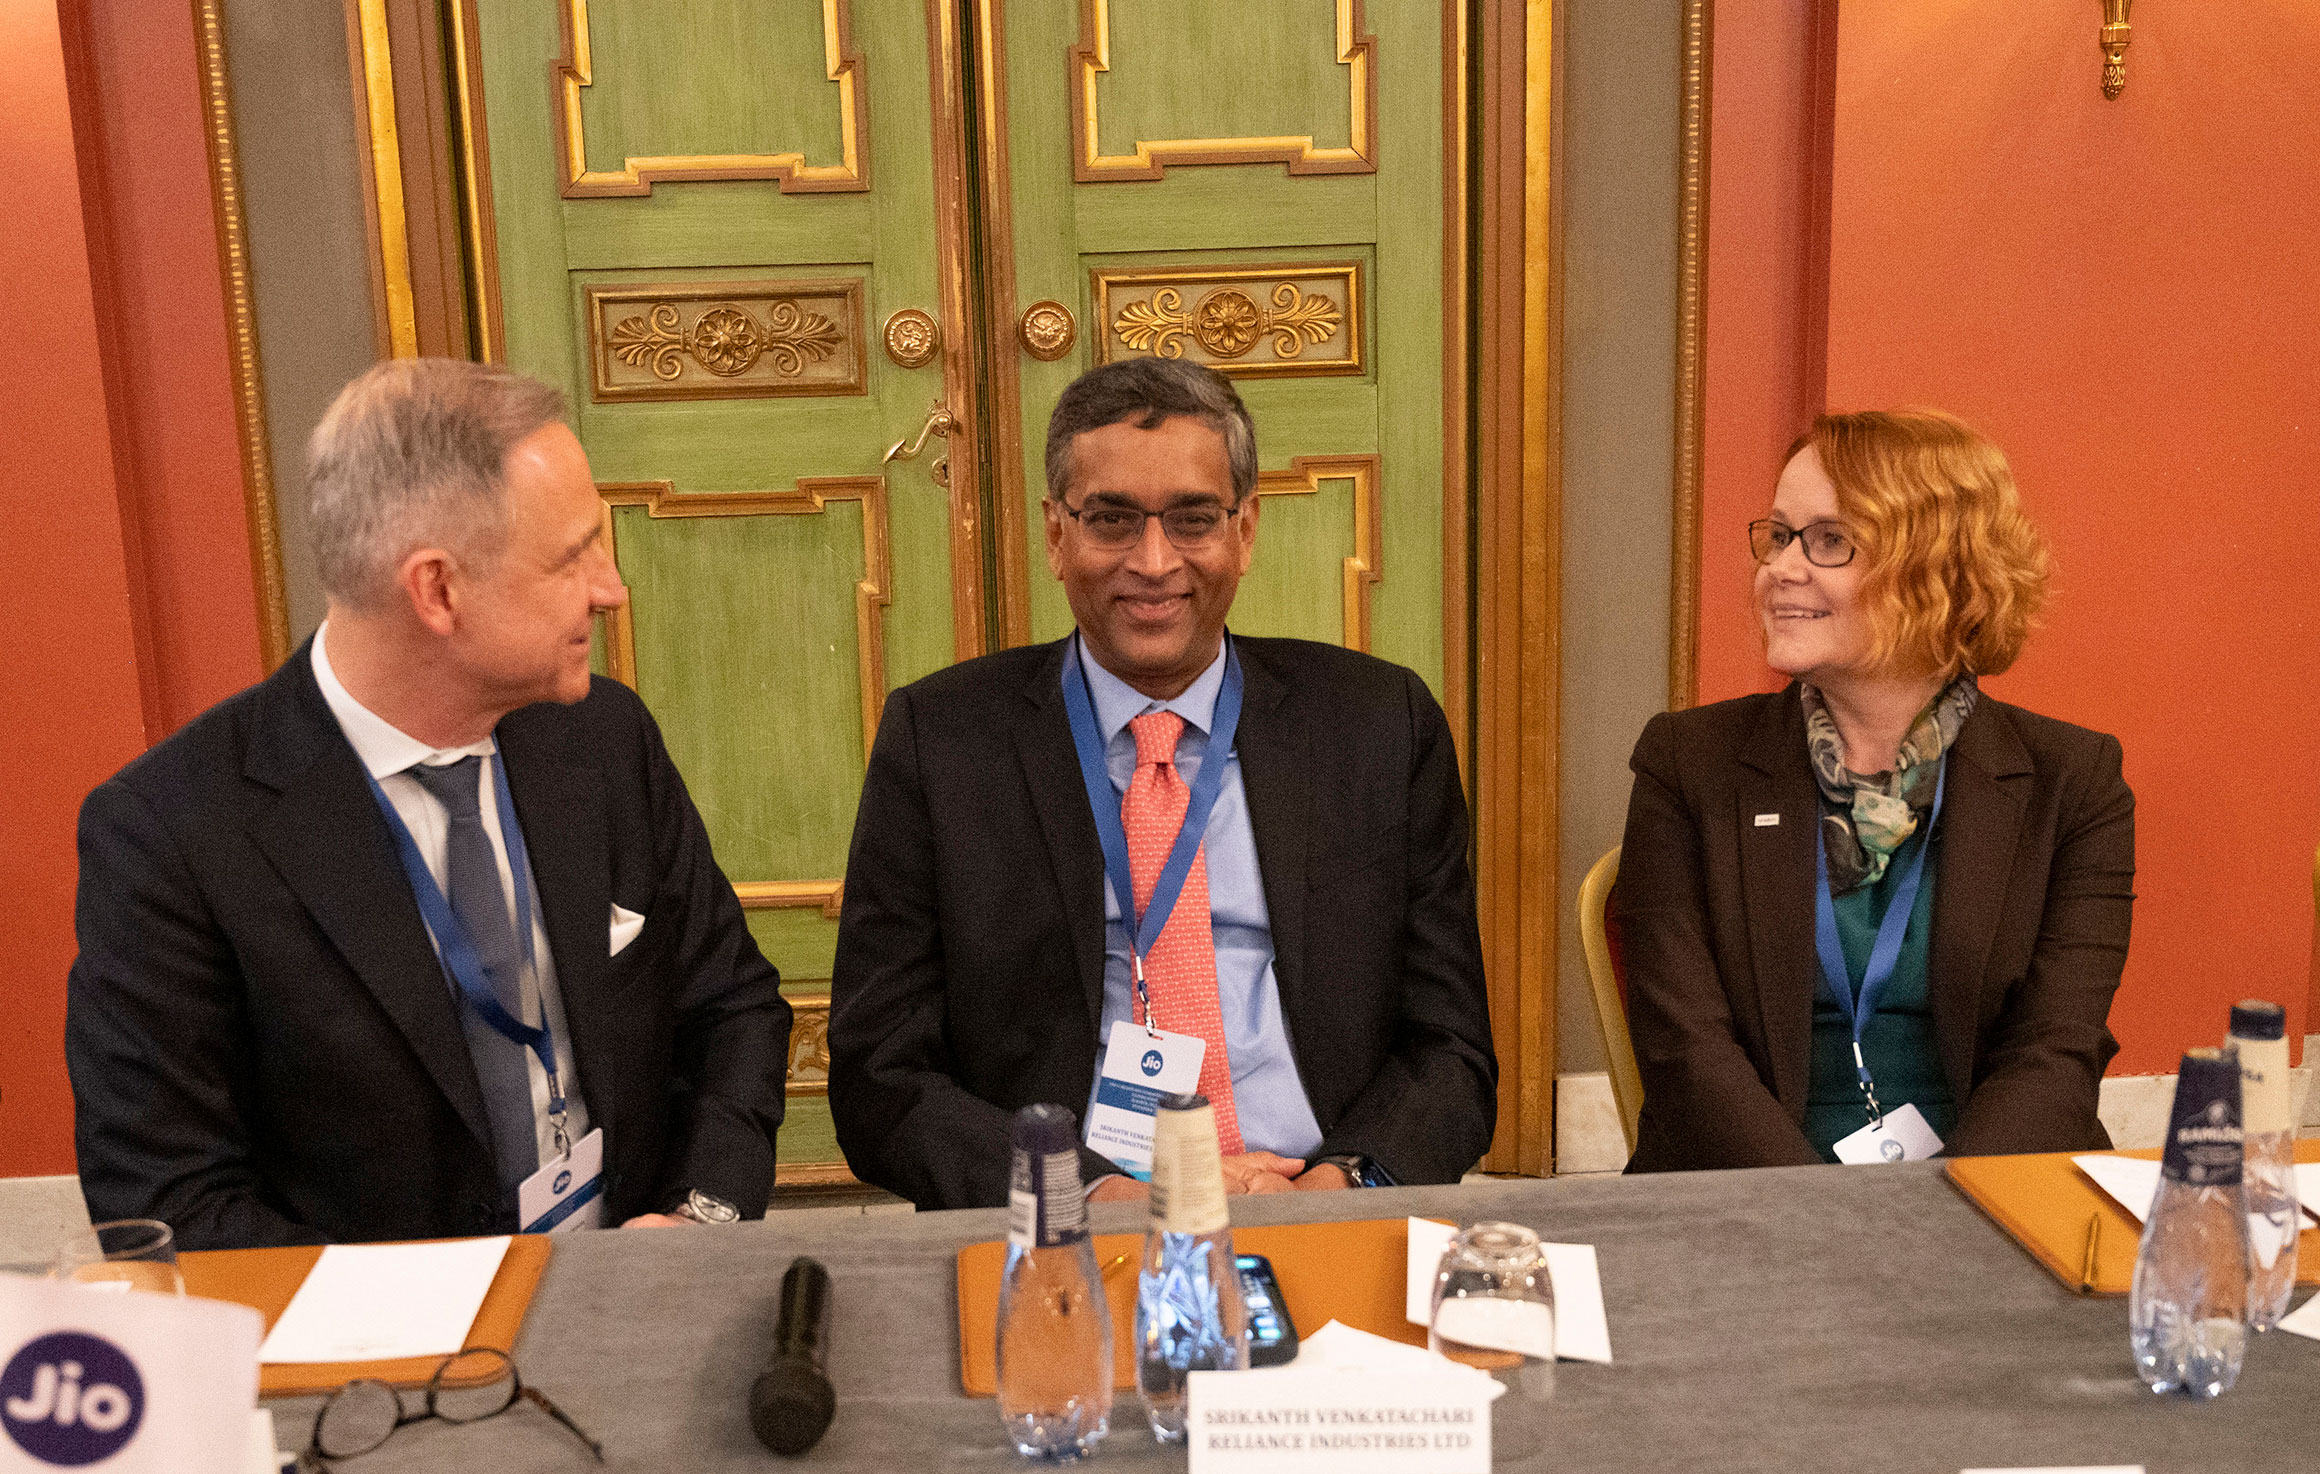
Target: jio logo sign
1151	1062
70	1399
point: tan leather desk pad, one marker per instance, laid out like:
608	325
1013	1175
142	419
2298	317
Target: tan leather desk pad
1350	1272
265	1279
2048	1206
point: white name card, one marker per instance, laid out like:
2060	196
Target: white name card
1335	1420
139	1383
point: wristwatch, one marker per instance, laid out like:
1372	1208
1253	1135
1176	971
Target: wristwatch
1361	1171
702	1208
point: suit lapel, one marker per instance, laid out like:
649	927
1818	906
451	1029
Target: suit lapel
1776	884
327	840
1276	776
1981	823
561	807
1060	798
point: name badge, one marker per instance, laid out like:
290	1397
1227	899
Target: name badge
1903	1136
567	1193
1140	1066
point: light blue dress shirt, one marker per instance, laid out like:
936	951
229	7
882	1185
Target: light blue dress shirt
1274	1114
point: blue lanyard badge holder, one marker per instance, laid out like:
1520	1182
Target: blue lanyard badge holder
1884	955
458	951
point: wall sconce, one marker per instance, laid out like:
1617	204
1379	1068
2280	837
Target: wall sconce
2115	36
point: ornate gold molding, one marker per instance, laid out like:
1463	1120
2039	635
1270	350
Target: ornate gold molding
575	70
1365	567
912	338
1683	675
225	182
1249	322
480	241
811	497
809	1045
383	168
704	342
1092	56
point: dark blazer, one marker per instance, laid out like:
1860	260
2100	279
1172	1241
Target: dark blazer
264	1049
970	966
2033	894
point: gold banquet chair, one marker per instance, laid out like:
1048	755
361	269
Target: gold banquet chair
1606	974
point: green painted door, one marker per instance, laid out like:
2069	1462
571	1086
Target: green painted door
757	245
717	229
1258	187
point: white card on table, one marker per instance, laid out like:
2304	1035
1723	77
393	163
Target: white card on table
136	1383
1421	1415
2065	1469
1140	1066
568	1193
1901	1136
2304	1320
1582	1330
2131	1182
379	1302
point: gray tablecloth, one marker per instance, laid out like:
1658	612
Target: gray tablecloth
1837	1318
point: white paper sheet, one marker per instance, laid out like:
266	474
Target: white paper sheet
2308	1188
2131	1181
2304	1320
2063	1469
1582	1330
374	1302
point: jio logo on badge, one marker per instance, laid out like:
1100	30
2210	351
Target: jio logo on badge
71	1399
563	1181
1151	1062
1892	1151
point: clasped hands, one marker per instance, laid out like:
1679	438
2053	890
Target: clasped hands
1250	1172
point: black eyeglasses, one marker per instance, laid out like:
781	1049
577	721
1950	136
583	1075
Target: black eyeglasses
476	1384
1826	544
1190	529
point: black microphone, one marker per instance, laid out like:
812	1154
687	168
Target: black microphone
791	1406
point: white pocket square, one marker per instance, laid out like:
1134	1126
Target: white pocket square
625	925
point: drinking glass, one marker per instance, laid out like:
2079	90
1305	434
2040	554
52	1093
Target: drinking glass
131	1254
1494	1305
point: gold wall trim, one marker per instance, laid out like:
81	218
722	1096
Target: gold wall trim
575	70
1249	322
812	496
825	896
383	168
1683	674
480	241
1092	56
809	1045
1364	569
225	182
727	340
992	300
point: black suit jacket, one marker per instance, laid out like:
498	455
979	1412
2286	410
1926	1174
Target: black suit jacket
2033	895
970	966
264	1049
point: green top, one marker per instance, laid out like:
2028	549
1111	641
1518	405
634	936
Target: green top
1899	1043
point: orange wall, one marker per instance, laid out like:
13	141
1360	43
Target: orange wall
119	471
2124	295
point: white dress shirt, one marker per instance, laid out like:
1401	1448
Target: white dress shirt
386	752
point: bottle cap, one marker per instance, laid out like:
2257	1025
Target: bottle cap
1043	1128
2253	1018
2204	1141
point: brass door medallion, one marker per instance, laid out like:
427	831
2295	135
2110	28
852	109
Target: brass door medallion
912	338
1048	331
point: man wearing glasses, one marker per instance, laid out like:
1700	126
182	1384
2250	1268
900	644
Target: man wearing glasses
1152	857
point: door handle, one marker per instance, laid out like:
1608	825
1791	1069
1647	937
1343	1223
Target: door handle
939	423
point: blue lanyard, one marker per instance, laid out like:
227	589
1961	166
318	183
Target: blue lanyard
1884	955
1079	703
458	952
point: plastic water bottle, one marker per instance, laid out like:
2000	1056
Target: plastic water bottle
1055	1331
2187	1313
2259	1031
1190	1314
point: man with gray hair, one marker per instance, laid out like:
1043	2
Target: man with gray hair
421	936
1154	858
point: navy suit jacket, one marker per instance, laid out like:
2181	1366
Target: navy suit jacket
970	965
264	1049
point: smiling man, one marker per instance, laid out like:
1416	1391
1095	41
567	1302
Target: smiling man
422	936
1157	856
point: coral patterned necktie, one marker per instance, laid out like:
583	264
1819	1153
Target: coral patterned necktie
1180	970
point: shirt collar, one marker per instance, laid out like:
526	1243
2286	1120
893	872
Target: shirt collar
383	748
1118	703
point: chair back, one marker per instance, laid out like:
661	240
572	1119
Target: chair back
1607	976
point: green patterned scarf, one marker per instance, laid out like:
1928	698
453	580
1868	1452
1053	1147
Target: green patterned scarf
1864	819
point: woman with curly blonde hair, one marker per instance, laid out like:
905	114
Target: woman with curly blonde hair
1880	914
